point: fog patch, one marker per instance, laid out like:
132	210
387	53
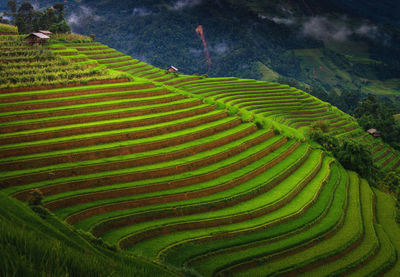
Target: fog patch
220	48
196	52
281	20
182	4
141	12
367	31
322	28
6	17
83	13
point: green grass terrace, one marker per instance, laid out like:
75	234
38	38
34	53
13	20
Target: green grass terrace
177	172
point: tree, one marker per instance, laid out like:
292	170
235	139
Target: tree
25	18
59	11
47	18
372	114
61	27
26	8
36	197
392	180
28	20
355	156
350	153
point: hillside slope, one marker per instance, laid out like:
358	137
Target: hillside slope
272	101
208	176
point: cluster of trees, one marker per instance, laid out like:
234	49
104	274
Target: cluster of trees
28	20
374	114
356	156
352	154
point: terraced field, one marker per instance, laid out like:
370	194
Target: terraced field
290	107
163	167
25	68
280	103
6	29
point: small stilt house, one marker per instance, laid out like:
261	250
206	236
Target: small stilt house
37	38
172	69
373	132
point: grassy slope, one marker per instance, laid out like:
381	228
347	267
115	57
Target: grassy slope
5	28
32	246
386	216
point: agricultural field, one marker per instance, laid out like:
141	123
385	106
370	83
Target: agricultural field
6	29
387	88
187	174
25	67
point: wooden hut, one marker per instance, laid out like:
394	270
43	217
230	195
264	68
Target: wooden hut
37	38
172	69
373	132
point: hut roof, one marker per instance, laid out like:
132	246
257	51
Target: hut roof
173	67
45	32
38	35
372	131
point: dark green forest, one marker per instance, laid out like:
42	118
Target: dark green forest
28	20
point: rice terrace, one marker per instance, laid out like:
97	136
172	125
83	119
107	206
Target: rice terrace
113	167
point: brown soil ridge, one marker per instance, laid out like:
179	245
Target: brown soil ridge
381	156
185	226
33	88
164	79
100	61
132	176
90	197
123	136
247	264
120	65
110	56
87	100
82	184
115	151
140	69
168	212
191	209
182	80
309	112
263	227
45	175
97	108
197	179
233	91
65	132
84	91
